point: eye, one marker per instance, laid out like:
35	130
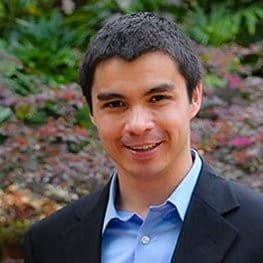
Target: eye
114	104
157	98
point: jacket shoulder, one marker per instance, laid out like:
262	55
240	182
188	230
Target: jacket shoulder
67	216
251	202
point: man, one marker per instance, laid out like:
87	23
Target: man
142	82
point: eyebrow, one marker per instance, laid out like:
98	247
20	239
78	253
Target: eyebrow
104	96
165	87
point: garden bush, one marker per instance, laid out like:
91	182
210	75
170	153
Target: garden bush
49	151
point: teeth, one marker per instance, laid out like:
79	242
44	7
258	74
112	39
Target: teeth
144	147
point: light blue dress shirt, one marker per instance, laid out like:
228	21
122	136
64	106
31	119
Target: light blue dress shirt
128	238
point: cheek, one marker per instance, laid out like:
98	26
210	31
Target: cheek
108	131
174	120
168	117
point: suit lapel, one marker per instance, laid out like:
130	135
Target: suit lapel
83	238
206	235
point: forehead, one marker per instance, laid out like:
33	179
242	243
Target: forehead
146	70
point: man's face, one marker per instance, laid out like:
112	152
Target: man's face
142	113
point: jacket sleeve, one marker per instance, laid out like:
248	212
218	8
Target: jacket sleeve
28	248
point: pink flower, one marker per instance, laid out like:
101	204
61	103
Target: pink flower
234	82
240	141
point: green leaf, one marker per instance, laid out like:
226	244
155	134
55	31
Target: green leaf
52	108
36	118
82	117
23	110
213	80
5	114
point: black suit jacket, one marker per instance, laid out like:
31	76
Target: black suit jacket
224	223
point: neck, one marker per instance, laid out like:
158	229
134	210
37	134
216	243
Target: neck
137	193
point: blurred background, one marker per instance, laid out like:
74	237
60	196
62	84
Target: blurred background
49	151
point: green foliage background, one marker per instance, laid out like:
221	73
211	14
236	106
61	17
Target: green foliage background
47	41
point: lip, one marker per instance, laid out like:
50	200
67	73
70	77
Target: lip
144	151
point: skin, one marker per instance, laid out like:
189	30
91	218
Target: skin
142	114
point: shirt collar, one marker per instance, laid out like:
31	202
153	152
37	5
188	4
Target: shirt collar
111	211
179	198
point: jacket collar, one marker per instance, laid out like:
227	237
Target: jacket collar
83	238
206	235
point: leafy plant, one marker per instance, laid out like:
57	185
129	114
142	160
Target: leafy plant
5	114
214	81
82	118
13	234
13	74
12	11
158	6
45	49
88	19
21	83
222	24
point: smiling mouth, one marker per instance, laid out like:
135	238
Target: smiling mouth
144	148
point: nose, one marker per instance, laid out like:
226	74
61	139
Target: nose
138	121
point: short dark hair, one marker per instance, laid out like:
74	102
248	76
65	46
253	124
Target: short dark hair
129	36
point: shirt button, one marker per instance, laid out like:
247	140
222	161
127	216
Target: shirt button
145	240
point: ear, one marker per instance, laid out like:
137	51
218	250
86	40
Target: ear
196	100
92	119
